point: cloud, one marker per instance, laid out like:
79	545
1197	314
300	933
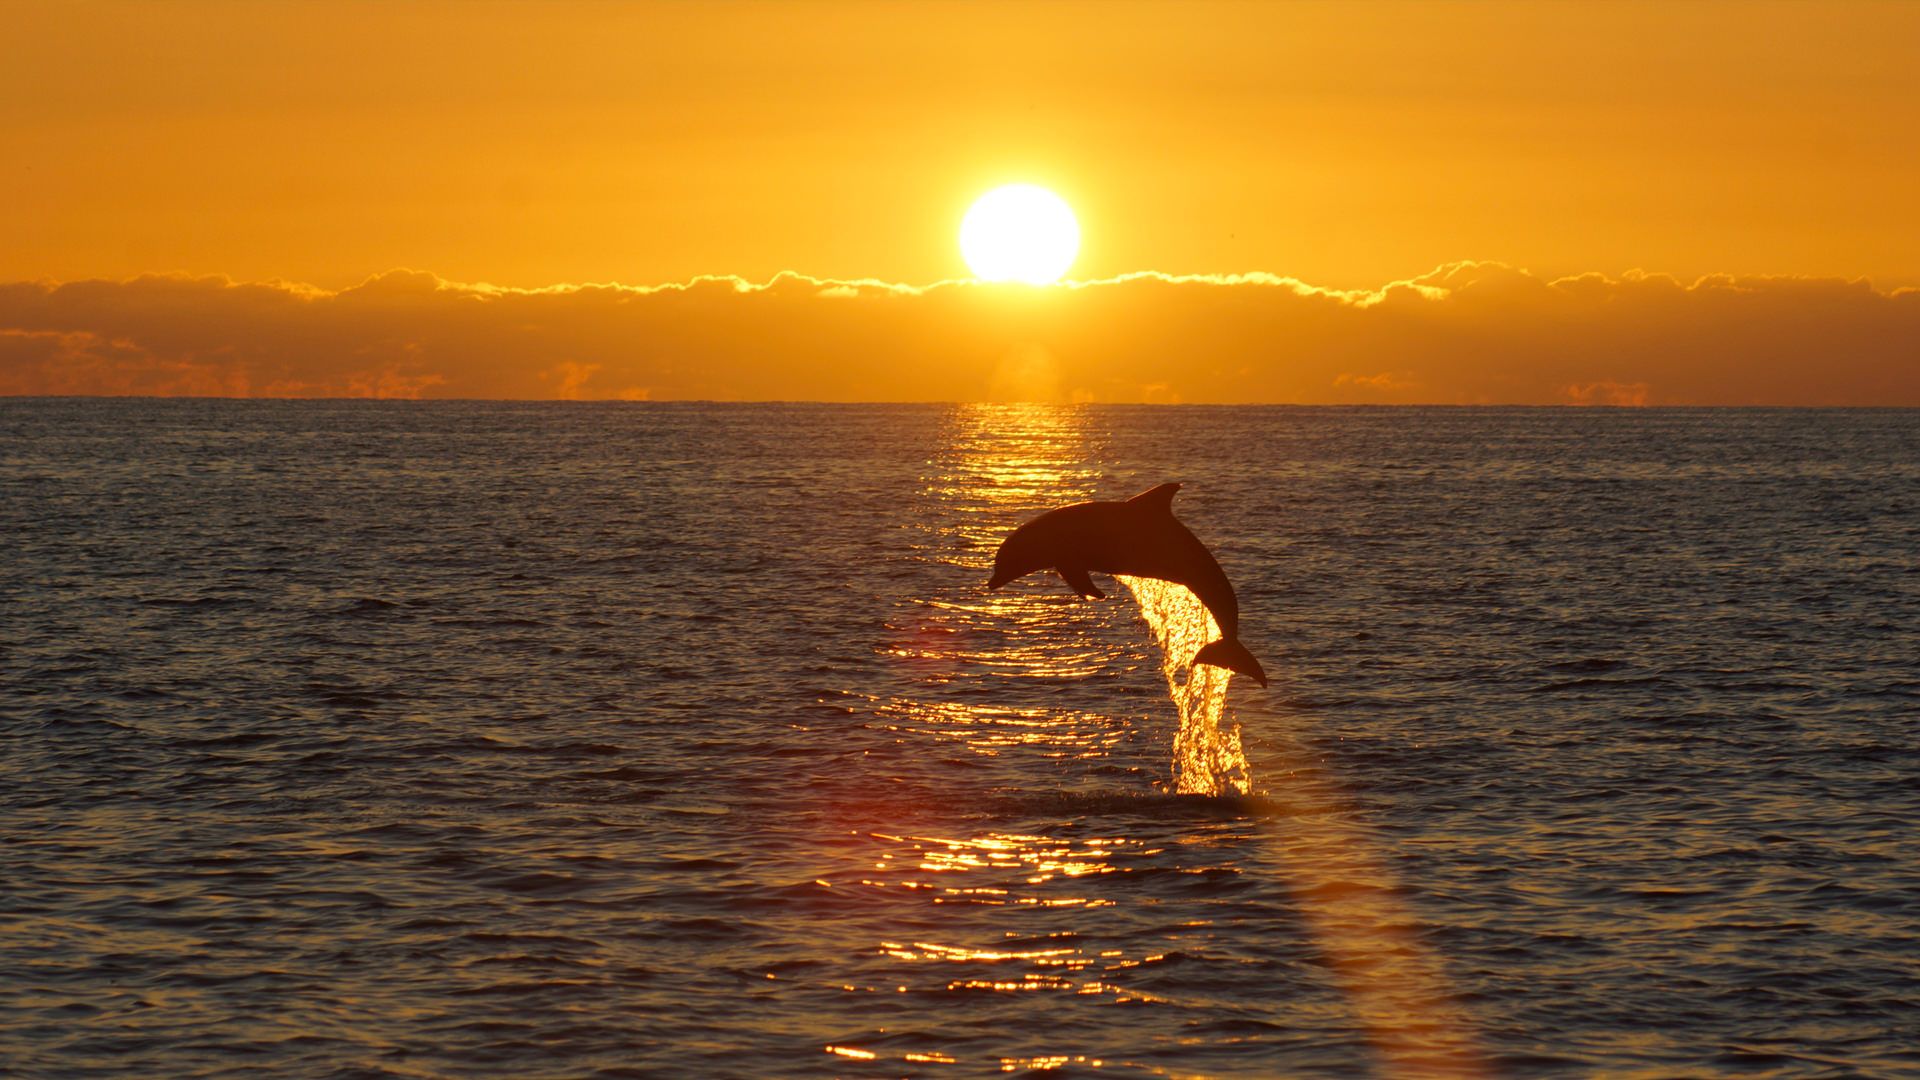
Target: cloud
1469	332
1607	393
80	362
1384	381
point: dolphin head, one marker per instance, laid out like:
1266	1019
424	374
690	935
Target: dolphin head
1020	554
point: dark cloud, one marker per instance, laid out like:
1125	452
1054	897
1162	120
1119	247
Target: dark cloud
1467	332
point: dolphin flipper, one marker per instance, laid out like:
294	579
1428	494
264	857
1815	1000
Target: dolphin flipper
1076	576
1230	654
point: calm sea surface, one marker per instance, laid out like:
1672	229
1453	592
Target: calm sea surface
350	739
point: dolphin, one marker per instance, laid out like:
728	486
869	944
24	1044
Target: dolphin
1138	537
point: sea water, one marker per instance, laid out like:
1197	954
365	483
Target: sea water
1207	757
419	739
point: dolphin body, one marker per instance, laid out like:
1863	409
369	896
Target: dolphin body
1140	538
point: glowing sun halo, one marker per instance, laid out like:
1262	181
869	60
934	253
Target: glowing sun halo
1019	233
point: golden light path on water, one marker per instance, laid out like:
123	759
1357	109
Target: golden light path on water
1004	464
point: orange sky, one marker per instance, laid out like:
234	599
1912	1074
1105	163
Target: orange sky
1346	146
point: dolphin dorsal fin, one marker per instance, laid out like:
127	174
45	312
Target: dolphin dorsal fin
1160	498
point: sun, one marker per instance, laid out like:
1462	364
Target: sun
1019	233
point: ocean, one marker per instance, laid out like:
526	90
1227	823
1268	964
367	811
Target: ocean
397	739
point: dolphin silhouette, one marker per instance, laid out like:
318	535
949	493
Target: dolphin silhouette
1138	537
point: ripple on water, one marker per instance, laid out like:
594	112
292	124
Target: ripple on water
459	738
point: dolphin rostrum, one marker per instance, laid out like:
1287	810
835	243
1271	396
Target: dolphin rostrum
1140	538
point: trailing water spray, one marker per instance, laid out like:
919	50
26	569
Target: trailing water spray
1207	759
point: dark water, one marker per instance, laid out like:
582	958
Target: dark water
558	740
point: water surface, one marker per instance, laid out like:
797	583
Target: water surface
361	739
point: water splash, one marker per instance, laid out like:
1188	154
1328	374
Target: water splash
1207	759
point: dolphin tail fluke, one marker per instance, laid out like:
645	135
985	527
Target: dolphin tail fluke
1230	654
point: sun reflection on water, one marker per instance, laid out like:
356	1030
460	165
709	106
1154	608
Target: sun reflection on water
1006	870
987	730
997	458
965	653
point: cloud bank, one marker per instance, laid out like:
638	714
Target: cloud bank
1465	333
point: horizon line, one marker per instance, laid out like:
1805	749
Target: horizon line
951	402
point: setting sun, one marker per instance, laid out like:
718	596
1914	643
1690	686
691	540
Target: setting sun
1019	233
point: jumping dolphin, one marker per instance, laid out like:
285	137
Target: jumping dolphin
1138	537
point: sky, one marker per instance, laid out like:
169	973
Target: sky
1231	165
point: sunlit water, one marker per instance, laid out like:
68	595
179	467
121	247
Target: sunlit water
1207	759
350	739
